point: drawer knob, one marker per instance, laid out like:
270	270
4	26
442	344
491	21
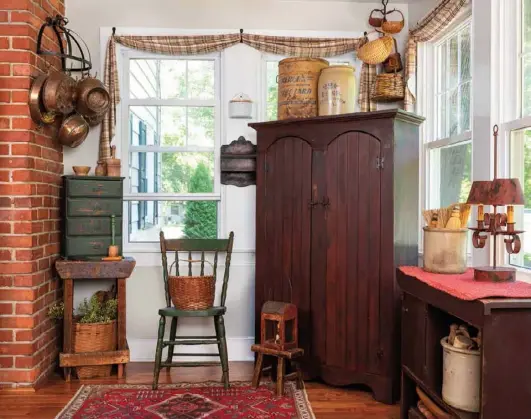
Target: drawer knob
405	309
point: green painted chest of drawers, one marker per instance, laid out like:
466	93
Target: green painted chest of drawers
88	203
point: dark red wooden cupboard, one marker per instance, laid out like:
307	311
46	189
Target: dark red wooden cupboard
336	211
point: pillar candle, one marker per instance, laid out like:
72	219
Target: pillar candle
481	213
113	227
510	214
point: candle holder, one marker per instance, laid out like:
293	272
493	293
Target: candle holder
496	192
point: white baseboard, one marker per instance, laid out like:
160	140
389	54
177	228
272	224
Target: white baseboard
239	348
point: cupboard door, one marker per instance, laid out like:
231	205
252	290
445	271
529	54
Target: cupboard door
414	334
284	228
352	219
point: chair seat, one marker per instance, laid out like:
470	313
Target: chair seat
174	312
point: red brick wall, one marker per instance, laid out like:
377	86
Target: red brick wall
31	165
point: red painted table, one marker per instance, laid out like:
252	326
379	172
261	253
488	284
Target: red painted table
430	304
69	271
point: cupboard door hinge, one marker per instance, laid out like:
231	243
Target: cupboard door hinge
380	163
266	167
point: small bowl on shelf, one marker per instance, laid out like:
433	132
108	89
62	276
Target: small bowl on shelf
81	170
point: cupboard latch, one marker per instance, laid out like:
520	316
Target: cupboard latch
380	163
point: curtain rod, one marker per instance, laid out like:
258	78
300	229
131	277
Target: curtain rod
114	33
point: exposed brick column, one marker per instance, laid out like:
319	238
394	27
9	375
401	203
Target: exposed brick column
31	165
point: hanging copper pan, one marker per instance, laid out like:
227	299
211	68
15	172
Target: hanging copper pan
73	131
95	120
37	111
92	97
58	93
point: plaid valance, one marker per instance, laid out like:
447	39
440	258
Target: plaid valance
427	29
204	44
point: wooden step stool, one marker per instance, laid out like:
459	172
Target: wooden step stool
290	354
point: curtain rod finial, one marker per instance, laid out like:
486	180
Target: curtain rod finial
113	30
241	34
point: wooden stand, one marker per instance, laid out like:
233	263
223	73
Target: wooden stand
290	354
71	270
427	314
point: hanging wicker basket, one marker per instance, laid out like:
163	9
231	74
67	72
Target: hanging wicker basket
192	292
94	337
377	51
393	26
389	87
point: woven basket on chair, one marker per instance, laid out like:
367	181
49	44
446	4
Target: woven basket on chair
389	87
94	337
377	51
192	292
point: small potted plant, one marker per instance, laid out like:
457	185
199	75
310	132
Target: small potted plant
94	330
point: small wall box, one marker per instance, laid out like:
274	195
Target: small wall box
241	107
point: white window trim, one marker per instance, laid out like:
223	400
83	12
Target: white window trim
126	55
507	86
426	106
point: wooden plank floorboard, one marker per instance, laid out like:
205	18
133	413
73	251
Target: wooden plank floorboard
327	402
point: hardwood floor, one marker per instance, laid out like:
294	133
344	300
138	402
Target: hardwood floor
327	402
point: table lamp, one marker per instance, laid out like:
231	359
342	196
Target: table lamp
496	192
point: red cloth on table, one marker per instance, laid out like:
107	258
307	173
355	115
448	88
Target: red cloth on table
464	287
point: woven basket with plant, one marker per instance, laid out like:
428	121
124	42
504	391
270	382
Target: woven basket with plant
94	330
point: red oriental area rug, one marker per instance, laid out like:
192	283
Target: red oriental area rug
187	401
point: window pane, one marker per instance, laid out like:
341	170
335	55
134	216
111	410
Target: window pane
201	125
272	90
464	107
173	79
454	62
143	75
526	25
520	162
450	174
442	116
176	126
178	219
443	74
201	79
181	172
453	85
453	128
465	55
526	85
173	126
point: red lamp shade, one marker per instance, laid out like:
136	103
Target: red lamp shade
496	192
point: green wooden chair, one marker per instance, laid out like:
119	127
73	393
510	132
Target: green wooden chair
188	246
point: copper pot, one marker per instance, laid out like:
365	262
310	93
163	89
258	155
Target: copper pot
94	120
37	111
92	97
73	131
58	93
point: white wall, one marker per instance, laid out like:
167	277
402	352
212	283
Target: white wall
241	69
418	9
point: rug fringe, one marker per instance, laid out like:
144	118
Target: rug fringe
72	400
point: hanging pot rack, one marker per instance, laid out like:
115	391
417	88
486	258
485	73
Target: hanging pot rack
65	38
384	10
